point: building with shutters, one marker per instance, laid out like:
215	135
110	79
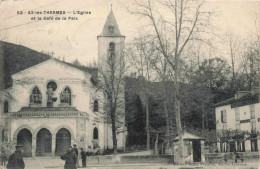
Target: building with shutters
242	112
47	104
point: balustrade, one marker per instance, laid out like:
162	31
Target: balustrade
47	114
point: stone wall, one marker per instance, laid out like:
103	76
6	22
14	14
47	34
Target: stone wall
230	157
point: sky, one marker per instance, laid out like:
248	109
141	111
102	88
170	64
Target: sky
77	39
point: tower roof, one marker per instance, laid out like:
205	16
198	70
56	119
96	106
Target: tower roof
111	28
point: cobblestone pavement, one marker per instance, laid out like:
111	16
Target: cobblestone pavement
55	163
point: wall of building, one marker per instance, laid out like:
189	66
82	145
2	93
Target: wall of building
103	47
51	70
243	123
245	114
83	95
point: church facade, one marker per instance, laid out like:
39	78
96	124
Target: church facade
53	104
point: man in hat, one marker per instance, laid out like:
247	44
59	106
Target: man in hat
75	150
70	159
83	157
15	161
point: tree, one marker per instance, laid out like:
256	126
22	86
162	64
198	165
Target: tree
140	53
161	66
234	46
111	80
135	116
227	136
182	21
250	65
197	106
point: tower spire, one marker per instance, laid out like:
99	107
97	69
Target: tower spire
111	28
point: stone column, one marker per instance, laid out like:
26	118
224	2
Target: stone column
53	146
258	144
101	137
191	151
33	146
202	151
247	146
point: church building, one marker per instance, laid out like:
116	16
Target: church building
47	104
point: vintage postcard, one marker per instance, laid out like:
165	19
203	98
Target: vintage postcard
129	84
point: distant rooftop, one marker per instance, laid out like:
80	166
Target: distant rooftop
241	98
189	136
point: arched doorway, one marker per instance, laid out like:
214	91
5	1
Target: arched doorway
43	142
63	140
95	138
24	137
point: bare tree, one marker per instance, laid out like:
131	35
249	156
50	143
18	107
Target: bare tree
234	45
182	21
111	80
250	65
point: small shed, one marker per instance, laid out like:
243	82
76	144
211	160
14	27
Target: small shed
193	148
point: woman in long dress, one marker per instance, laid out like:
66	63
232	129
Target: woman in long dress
70	159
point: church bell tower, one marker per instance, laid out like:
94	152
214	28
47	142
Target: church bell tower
111	57
110	41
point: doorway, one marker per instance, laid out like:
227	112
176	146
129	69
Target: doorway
24	137
196	150
43	143
63	141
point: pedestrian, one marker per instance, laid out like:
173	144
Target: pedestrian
83	157
4	159
15	161
70	159
75	150
3	155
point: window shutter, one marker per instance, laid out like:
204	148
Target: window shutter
252	111
224	116
237	114
238	126
253	125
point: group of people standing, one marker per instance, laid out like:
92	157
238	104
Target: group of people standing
15	161
71	158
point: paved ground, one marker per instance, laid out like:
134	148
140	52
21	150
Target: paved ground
56	163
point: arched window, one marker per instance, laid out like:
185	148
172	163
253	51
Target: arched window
95	106
6	107
111	51
36	96
111	48
65	96
95	133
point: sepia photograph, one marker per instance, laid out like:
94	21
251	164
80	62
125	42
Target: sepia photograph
137	84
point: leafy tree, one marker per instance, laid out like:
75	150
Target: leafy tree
214	74
227	136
